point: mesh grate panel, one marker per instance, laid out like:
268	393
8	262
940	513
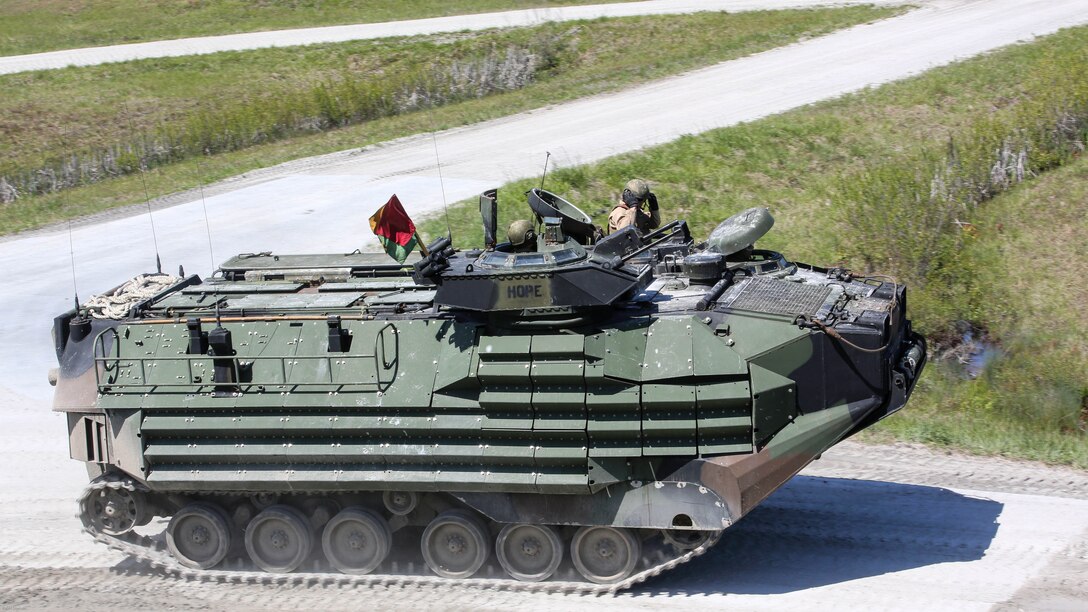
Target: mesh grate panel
780	297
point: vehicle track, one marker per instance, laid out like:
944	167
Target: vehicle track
151	551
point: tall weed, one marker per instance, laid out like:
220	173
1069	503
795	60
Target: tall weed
416	84
911	214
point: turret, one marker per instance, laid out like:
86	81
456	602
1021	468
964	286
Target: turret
573	267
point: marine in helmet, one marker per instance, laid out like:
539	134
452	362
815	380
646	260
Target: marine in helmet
522	236
628	211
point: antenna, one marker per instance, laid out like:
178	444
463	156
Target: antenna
207	226
71	241
147	196
211	251
72	253
549	156
442	185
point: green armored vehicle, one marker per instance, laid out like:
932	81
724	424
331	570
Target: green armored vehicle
601	407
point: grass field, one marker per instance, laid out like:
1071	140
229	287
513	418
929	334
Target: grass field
32	26
254	109
931	163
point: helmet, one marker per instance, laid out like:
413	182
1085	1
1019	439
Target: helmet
637	188
520	232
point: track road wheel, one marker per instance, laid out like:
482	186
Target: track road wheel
604	555
356	541
117	511
455	544
279	539
199	535
530	553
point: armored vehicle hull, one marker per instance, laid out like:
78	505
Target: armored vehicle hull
624	401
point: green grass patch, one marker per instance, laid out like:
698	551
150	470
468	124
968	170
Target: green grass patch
32	26
97	126
1027	252
933	179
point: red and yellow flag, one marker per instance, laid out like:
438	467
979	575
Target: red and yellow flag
395	230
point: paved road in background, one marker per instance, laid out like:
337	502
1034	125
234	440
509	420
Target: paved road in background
415	27
999	534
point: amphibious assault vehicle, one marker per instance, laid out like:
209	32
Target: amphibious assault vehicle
604	406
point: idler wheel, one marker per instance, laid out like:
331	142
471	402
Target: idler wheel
117	511
356	541
530	553
279	539
199	535
455	544
604	555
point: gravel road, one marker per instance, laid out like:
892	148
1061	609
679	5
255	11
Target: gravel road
873	527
